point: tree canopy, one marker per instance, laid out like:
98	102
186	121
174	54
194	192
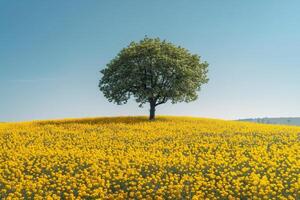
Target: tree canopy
155	72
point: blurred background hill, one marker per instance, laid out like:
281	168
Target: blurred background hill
279	120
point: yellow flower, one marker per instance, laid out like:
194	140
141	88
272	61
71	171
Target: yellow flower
130	157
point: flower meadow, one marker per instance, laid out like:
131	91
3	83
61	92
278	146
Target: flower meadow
133	158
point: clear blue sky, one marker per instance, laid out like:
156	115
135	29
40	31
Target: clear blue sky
51	53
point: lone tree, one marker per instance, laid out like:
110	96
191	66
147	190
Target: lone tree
154	72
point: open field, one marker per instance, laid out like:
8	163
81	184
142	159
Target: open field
171	158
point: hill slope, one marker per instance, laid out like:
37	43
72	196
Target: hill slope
171	158
282	120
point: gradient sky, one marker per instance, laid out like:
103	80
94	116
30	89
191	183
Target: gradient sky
51	53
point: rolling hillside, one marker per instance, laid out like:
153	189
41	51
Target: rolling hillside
132	158
284	121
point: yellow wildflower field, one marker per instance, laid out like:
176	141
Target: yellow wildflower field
133	158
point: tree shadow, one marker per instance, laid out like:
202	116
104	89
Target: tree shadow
101	121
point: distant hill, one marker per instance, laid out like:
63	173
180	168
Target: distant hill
282	120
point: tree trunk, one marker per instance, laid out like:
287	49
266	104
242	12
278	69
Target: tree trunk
152	111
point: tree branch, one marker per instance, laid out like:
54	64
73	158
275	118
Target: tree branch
162	101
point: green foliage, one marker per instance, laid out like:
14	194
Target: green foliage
153	71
